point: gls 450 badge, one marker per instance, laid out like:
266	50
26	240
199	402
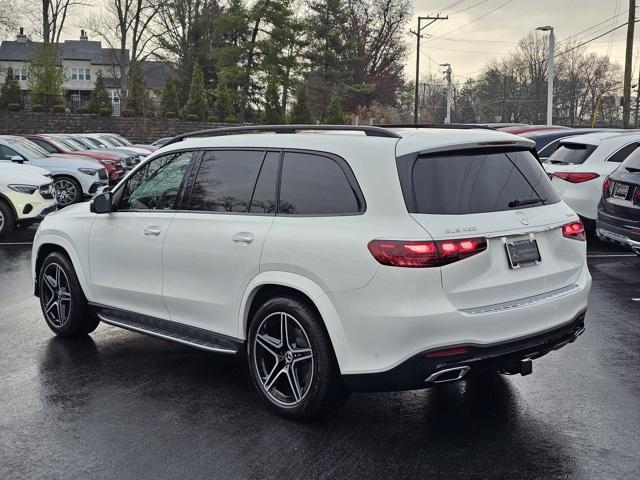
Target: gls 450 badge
451	231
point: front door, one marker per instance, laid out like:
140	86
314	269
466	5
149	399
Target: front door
125	246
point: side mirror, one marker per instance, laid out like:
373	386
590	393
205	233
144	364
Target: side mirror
101	203
103	189
17	159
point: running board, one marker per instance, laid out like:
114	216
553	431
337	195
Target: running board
168	330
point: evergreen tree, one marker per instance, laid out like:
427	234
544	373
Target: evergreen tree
46	77
272	107
169	101
335	115
10	92
327	53
300	113
224	109
196	101
99	95
137	95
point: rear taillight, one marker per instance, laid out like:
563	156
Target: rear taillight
412	254
636	196
576	177
605	187
574	230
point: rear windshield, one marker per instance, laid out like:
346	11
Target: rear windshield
474	181
571	153
632	163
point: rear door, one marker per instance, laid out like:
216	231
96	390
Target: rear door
505	197
213	247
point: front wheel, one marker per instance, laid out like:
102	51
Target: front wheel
68	191
7	222
63	303
291	360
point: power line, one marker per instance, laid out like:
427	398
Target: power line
458	2
592	27
475	19
469	7
592	39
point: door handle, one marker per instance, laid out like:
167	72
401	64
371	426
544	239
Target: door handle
152	231
242	237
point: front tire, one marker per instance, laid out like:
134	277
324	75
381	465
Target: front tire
7	221
63	303
68	190
291	359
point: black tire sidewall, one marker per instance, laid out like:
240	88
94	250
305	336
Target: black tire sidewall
325	371
9	220
79	316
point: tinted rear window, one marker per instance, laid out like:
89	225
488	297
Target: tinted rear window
476	181
571	153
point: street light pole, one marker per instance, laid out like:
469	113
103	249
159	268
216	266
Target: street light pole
447	75
550	74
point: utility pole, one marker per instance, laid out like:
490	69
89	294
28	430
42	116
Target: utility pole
418	34
447	76
550	73
628	61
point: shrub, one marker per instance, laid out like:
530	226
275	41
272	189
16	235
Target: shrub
192	117
37	108
171	115
128	112
59	108
14	107
212	118
83	110
231	120
105	111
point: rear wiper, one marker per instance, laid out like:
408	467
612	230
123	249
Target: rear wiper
558	162
632	170
526	201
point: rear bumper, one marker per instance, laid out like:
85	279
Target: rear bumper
418	371
618	230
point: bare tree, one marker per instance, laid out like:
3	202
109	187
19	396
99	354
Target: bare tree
125	25
51	16
9	17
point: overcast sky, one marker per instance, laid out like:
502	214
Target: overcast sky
469	47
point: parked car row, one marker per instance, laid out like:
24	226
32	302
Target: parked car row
597	173
77	166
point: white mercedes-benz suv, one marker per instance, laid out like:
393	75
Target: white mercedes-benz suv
338	258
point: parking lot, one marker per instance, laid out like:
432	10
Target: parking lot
123	405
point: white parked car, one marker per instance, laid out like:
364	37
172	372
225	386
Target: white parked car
394	260
104	140
74	178
580	165
26	196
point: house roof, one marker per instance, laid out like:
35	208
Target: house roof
91	51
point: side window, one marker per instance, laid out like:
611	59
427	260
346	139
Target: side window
225	180
623	153
263	199
547	150
6	153
315	185
43	144
156	185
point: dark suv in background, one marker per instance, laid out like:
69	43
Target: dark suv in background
619	210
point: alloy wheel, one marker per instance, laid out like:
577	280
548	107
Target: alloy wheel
1	220
56	295
283	359
66	191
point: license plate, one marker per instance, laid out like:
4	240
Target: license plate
621	191
523	253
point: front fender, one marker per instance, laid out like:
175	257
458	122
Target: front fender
310	289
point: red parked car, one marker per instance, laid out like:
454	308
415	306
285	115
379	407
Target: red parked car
112	163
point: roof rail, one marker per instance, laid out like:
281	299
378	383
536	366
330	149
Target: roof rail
369	130
436	125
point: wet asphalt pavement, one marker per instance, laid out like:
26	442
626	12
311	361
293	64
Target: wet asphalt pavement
121	405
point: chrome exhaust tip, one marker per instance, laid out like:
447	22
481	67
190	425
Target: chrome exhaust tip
448	375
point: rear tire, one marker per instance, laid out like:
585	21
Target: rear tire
63	303
7	221
291	360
